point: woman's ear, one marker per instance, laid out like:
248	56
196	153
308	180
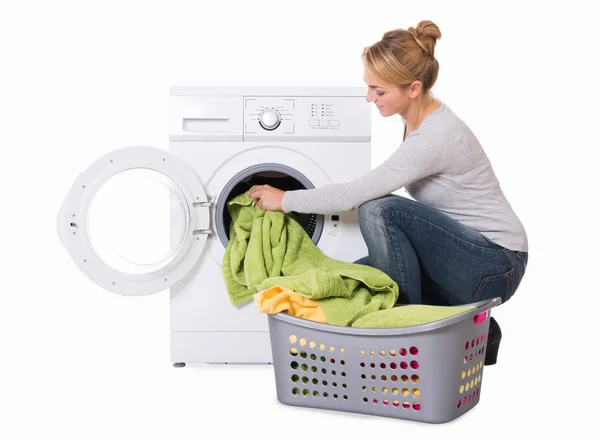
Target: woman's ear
415	89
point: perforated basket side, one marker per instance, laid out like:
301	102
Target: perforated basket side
422	373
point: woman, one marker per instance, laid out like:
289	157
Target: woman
459	241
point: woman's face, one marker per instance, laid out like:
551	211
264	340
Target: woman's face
389	98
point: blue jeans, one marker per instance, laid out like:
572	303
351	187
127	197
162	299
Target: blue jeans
433	258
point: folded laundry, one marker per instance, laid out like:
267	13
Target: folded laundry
268	249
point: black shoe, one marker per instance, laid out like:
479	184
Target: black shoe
493	343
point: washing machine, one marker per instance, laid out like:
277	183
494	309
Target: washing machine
143	220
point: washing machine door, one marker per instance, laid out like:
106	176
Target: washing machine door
136	221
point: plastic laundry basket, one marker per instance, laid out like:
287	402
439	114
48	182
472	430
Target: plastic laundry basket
428	373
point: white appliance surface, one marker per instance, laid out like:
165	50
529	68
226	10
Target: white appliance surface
220	139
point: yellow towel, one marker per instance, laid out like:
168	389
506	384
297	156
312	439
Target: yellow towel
281	299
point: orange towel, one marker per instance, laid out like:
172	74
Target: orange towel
281	299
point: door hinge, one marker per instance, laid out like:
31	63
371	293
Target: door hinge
208	204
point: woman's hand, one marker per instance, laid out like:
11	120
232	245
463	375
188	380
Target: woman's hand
267	198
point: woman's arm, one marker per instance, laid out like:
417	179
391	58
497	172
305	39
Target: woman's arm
421	155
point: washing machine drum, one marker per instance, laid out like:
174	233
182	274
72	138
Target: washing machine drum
309	222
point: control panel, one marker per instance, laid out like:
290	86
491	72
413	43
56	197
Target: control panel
307	117
268	114
323	115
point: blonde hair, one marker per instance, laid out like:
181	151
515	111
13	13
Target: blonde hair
403	56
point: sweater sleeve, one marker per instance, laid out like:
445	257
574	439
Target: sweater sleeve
419	156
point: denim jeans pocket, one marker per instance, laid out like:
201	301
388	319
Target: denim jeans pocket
500	285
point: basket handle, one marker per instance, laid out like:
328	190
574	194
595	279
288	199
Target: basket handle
480	317
482	310
479	313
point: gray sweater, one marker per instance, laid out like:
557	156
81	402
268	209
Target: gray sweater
442	165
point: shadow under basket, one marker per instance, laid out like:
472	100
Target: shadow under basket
428	373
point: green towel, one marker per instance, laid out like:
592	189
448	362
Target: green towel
270	248
407	315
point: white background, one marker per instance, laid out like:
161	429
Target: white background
79	79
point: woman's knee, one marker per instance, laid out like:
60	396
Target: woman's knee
371	218
377	209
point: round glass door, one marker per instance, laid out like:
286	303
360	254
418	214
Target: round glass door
137	221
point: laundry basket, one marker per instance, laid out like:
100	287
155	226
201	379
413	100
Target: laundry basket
429	373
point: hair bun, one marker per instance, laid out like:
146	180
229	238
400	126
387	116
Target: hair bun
426	35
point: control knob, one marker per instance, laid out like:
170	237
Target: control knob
269	119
